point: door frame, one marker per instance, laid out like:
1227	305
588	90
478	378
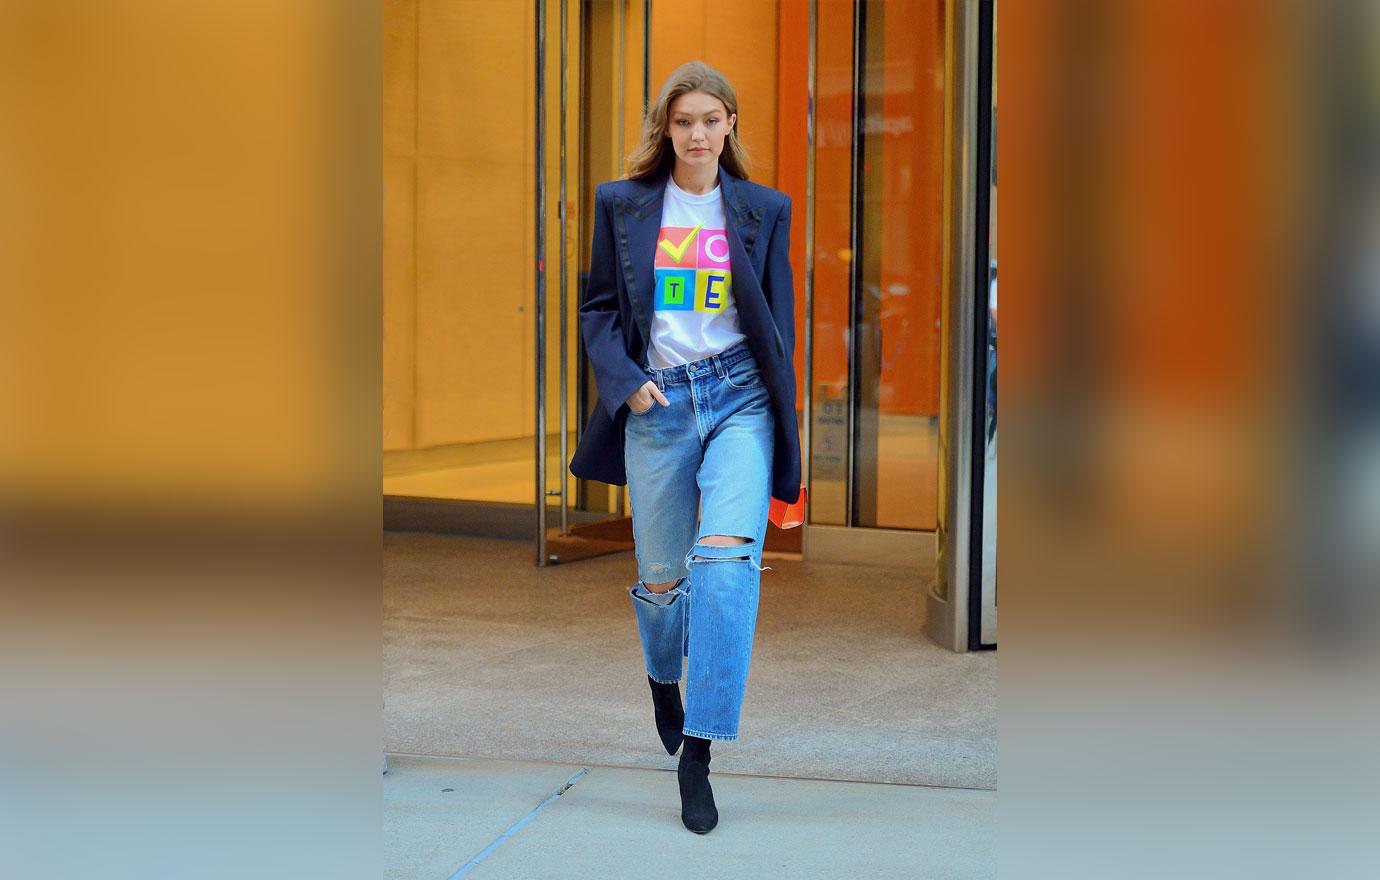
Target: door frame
954	604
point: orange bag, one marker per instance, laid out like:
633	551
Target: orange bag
787	516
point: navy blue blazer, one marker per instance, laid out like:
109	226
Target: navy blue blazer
616	314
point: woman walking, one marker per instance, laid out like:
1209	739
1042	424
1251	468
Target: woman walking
688	320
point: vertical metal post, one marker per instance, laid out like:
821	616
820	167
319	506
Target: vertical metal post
982	510
646	55
855	184
809	276
540	310
622	81
947	603
565	274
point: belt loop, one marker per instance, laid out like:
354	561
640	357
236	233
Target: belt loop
718	366
660	380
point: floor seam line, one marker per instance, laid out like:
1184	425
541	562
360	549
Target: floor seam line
513	829
721	772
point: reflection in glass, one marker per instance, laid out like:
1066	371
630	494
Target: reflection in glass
988	607
878	264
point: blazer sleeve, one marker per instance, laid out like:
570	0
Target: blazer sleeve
777	280
616	374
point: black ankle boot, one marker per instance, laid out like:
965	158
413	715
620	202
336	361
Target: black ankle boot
670	715
697	810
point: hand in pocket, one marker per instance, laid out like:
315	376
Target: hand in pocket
645	398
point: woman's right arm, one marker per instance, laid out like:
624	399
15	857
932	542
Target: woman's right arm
616	374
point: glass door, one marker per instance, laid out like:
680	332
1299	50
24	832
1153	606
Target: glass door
878	262
460	195
602	117
499	119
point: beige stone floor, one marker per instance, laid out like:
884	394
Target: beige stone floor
486	655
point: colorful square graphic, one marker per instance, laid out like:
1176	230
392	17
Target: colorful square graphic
713	245
678	247
711	290
675	290
692	269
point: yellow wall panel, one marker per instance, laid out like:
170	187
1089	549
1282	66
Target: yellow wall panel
399	210
474	222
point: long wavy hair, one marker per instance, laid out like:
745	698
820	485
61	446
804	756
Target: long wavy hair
655	152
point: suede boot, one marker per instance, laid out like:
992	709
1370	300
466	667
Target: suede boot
697	810
669	713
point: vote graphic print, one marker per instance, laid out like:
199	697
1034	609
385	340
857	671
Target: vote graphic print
692	269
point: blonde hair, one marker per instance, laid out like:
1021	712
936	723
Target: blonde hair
655	152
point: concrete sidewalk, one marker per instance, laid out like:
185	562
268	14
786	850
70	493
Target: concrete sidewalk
487	654
490	819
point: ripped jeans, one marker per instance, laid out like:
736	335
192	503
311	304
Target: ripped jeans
706	457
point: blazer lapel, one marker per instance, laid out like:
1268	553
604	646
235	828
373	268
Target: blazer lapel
744	217
638	221
754	315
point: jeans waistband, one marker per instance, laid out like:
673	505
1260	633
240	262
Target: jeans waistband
716	364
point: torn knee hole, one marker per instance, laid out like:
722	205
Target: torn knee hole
722	548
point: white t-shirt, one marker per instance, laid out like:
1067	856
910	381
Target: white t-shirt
694	314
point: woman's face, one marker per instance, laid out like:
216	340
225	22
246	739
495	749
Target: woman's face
697	125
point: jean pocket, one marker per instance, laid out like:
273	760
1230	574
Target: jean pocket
743	375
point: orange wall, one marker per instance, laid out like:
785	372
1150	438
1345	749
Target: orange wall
911	129
912	242
792	139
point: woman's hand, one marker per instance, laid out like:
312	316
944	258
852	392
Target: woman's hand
646	397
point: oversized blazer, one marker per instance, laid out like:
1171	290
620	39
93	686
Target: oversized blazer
616	313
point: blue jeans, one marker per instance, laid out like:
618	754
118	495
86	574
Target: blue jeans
708	457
